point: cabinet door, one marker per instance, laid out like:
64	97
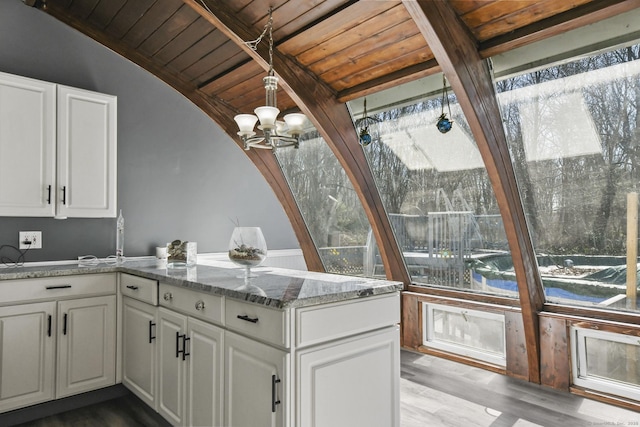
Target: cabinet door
86	344
172	369
139	349
86	154
27	146
256	388
205	367
351	382
26	354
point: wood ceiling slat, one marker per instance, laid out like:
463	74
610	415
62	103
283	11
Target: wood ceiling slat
127	17
194	33
373	51
82	9
222	67
409	59
104	12
198	50
169	30
335	26
225	57
151	21
246	71
466	6
378	28
299	16
522	17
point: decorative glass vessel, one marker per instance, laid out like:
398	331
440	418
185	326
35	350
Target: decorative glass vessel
247	248
181	254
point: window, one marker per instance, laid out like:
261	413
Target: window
574	136
606	361
329	205
471	333
439	200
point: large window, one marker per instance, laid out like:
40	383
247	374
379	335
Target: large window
574	136
329	204
439	199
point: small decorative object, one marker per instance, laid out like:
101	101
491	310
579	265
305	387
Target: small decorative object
120	238
364	136
247	248
444	124
181	254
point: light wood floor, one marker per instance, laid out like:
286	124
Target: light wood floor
434	393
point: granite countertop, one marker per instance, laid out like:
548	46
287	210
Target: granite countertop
273	287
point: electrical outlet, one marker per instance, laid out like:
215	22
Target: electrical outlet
31	240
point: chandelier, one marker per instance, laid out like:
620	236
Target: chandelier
275	133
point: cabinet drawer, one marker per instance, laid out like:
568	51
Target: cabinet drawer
198	304
328	322
257	321
52	288
140	288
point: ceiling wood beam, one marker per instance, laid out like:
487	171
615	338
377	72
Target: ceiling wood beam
219	112
469	76
330	117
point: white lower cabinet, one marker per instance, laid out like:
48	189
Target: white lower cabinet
341	382
256	383
201	359
27	354
139	360
189	370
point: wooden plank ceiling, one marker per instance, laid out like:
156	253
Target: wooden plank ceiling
354	47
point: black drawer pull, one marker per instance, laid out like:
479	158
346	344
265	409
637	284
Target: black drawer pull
151	335
247	318
64	195
58	287
185	352
49	195
274	395
135	288
64	324
49	325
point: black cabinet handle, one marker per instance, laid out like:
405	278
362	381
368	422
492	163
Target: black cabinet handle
247	318
135	288
274	397
151	335
64	195
185	353
64	324
49	325
49	195
57	287
178	351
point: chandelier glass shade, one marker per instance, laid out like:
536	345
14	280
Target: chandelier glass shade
274	133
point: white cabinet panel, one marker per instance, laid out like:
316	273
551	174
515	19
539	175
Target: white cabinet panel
256	378
139	349
26	354
27	146
172	374
86	153
86	344
204	382
351	382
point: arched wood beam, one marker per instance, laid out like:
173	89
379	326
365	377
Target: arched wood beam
457	53
222	114
330	117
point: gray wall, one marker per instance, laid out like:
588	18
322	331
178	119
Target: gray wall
179	175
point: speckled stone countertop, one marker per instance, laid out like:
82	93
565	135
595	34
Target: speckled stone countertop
273	287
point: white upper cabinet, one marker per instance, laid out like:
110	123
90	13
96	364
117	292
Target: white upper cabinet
57	150
27	146
86	154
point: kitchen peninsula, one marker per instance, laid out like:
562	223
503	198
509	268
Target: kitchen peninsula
203	345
